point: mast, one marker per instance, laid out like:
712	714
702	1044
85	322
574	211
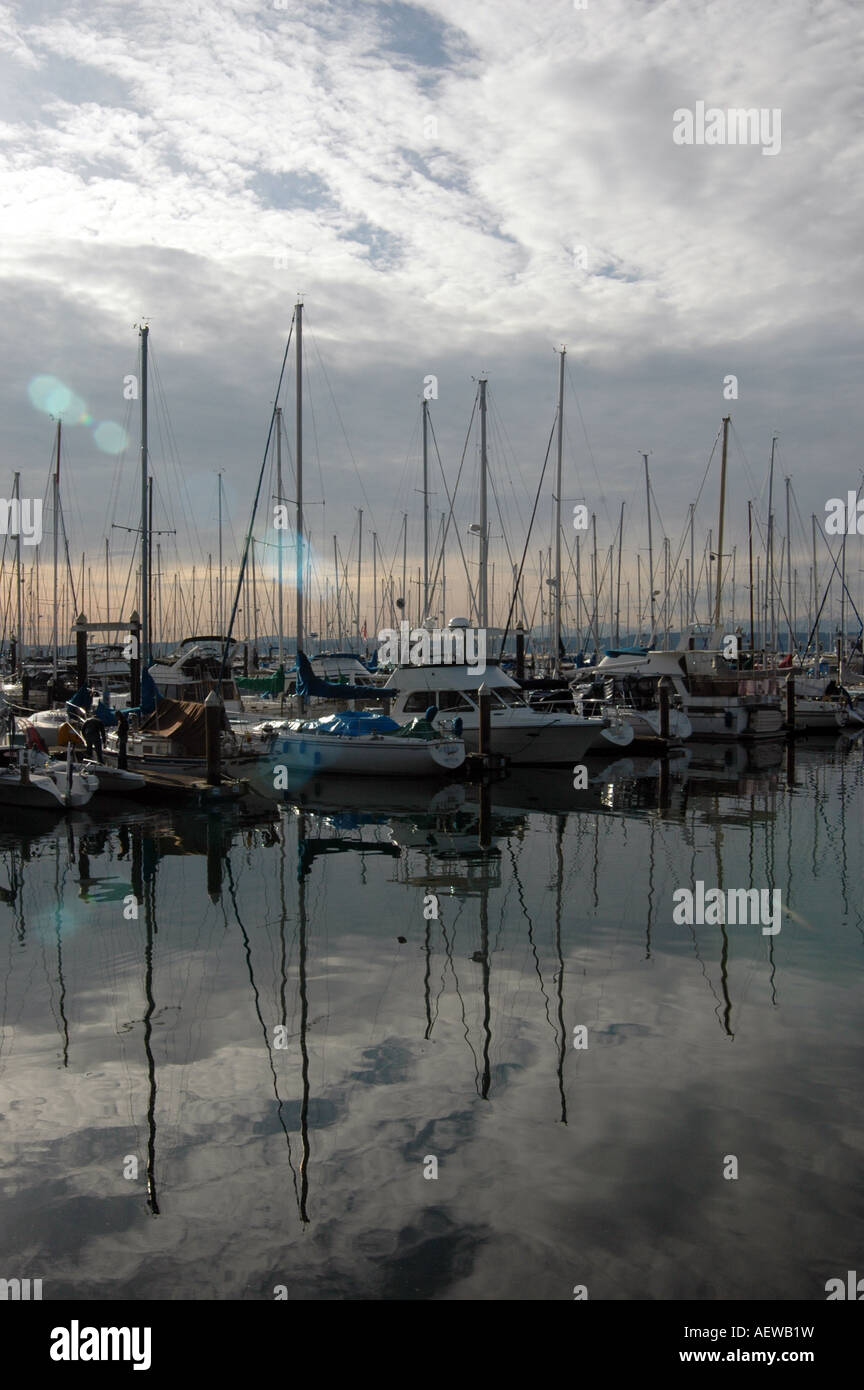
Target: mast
375	586
144	609
618	580
279	598
404	562
359	559
815	590
650	545
722	522
750	548
557	590
19	582
595	599
108	585
483	614
219	589
840	655
789	570
770	556
338	594
425	508
56	524
691	597
298	324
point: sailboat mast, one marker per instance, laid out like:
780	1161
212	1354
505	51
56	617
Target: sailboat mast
789	568
279	600
650	545
770	558
425	508
359	561
750	548
19	582
56	527
298	328
719	592
560	453
219	582
618	580
483	614
815	589
144	334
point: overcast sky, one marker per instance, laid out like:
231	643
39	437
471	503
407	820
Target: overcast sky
454	189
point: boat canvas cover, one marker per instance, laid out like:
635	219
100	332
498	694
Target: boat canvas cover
182	721
309	685
263	685
357	723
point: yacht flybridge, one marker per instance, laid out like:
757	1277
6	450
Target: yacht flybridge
719	701
518	732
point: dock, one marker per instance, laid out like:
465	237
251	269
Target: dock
186	786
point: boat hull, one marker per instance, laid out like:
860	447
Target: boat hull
377	757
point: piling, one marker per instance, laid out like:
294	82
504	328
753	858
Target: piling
212	738
520	652
484	701
81	650
135	660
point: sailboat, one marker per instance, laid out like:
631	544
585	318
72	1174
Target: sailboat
56	788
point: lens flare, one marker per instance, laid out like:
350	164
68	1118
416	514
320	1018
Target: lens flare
54	397
110	438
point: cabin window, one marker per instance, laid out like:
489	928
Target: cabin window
453	700
508	697
419	701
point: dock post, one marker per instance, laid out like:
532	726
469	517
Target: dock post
484	700
663	701
790	704
212	738
81	649
134	660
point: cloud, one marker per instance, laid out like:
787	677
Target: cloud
449	194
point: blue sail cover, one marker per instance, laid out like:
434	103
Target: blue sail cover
80	700
311	686
355	723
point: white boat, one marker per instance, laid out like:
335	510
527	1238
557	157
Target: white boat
193	670
53	789
719	701
362	742
518	732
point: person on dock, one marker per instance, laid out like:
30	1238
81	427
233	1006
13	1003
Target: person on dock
94	736
122	739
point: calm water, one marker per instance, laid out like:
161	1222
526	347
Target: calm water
298	1159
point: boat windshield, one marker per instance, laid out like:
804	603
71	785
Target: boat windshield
508	697
420	700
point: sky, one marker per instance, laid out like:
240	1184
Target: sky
454	190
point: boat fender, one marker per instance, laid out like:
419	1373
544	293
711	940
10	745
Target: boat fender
431	713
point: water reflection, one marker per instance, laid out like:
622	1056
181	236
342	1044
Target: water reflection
364	944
